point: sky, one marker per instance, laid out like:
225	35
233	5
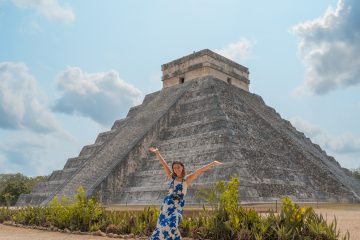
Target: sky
69	69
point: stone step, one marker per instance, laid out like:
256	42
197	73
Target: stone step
200	135
149	97
191	155
209	150
90	149
193	98
31	199
47	187
120	123
56	174
133	111
157	177
216	151
76	162
117	124
188	143
199	110
216	123
61	174
104	136
198	116
191	105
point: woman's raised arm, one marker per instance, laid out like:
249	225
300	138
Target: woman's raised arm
191	177
162	161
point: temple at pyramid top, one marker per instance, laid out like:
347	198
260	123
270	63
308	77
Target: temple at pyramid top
205	63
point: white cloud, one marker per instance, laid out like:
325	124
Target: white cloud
33	154
22	104
238	51
342	144
330	49
50	9
103	96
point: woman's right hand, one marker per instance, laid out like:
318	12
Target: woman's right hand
153	150
217	163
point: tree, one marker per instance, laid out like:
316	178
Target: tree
8	198
357	173
16	184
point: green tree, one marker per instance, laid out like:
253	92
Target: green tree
32	181
13	186
8	198
357	173
16	184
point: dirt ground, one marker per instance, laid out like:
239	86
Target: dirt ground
17	233
348	219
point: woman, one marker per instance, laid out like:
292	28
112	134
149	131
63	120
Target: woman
171	209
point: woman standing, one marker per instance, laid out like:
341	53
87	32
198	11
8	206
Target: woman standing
173	204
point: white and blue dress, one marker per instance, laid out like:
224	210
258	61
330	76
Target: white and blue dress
171	212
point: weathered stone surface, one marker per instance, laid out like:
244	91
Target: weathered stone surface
271	158
202	64
197	122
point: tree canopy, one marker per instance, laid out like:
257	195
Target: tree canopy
12	185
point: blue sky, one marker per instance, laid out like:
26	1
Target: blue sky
69	69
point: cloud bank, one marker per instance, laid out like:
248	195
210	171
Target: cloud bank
103	97
34	143
34	154
50	9
22	104
238	51
330	49
345	143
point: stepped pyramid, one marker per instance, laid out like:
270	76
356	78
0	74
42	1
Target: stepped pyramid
204	112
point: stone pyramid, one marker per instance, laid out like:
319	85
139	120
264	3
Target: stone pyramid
204	112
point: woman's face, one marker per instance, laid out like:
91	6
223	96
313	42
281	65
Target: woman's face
178	169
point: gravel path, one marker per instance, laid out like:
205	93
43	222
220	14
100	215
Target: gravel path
347	220
17	233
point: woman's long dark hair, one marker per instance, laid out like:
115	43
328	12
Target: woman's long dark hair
183	171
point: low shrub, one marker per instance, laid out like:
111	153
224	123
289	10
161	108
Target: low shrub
81	215
5	214
226	220
231	221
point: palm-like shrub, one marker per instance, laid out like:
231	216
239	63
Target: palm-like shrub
229	220
226	219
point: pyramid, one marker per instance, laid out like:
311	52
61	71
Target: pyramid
204	112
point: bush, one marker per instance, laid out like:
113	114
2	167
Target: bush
231	221
80	215
5	214
31	216
227	220
84	212
146	221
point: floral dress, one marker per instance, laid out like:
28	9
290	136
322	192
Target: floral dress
171	213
